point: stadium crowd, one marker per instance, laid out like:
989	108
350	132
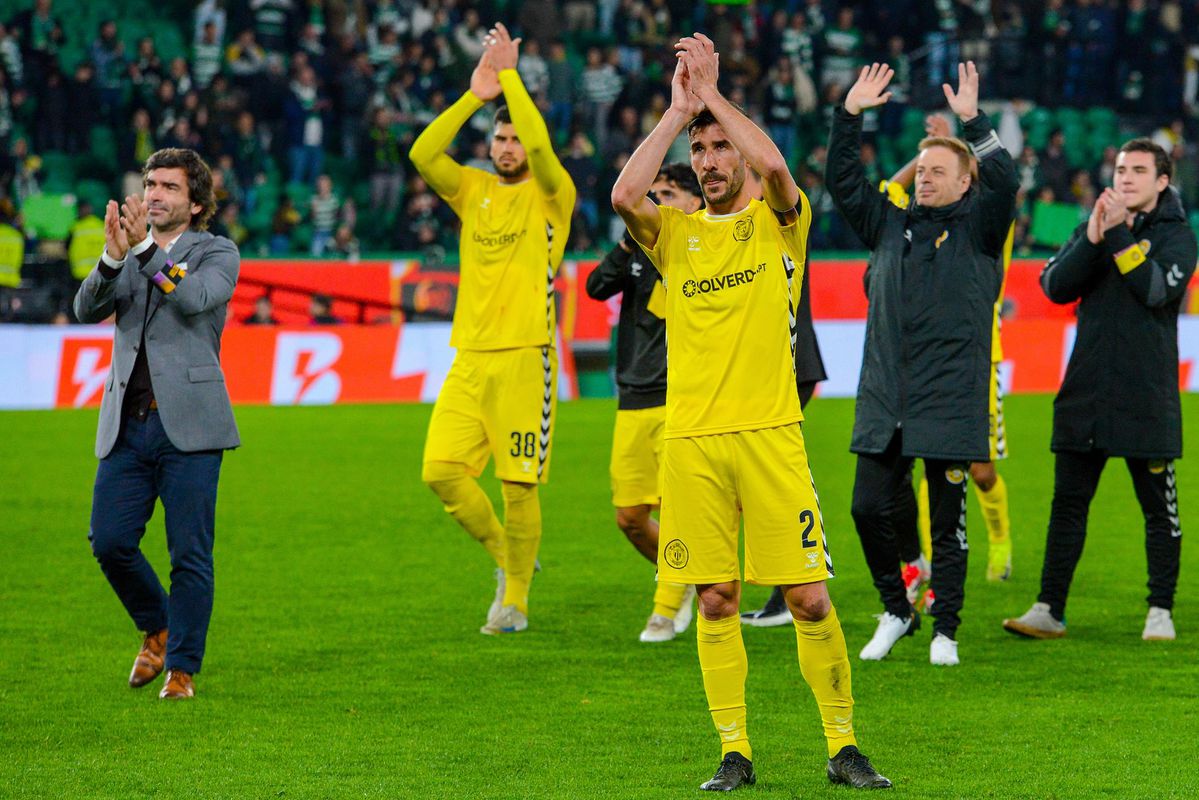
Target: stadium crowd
306	109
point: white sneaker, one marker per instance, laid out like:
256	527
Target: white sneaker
1159	626
943	651
890	630
658	629
498	602
509	620
686	612
1036	623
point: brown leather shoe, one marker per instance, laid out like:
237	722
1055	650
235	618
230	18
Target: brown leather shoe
178	686
149	660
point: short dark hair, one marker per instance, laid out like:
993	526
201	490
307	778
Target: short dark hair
502	117
706	118
682	176
1161	159
199	179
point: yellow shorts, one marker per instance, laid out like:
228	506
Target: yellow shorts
636	464
497	404
710	482
998	432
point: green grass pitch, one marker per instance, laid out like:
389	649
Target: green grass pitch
344	658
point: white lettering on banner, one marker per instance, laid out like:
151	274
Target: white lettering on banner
303	371
88	374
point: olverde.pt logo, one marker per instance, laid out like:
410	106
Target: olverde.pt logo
739	278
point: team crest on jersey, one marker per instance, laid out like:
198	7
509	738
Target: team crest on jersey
1157	467
941	239
955	475
743	229
675	553
693	244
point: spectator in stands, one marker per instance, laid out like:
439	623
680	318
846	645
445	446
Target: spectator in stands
264	312
533	69
10	56
108	56
345	244
385	163
560	87
85	242
53	114
320	311
245	58
580	165
41	36
81	100
355	87
599	86
210	12
283	223
539	20
322	209
206	55
275	23
27	171
304	112
147	70
842	51
228	224
1055	167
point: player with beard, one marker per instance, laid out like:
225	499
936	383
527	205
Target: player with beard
499	397
733	444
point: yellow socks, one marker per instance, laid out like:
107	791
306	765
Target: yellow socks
668	599
467	504
522	534
722	659
924	519
824	663
994	506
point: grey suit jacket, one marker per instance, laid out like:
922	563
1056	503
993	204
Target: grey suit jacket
183	339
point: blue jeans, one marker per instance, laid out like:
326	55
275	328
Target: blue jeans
143	467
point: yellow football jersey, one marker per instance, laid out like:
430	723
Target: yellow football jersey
732	286
513	238
899	196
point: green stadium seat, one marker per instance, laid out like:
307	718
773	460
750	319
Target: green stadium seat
98	193
1052	223
49	216
300	195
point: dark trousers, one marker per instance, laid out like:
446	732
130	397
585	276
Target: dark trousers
1075	478
143	467
879	480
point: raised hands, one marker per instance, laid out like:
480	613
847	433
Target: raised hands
869	90
682	98
135	216
964	101
484	81
504	49
1115	212
116	241
698	54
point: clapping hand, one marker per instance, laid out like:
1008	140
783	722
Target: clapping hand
682	99
504	49
1115	212
870	89
698	53
134	219
116	241
484	83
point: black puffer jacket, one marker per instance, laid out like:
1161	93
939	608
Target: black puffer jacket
934	276
1120	393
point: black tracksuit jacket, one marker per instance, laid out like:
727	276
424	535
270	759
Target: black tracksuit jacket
935	274
1120	393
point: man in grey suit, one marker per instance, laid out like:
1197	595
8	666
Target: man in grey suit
165	418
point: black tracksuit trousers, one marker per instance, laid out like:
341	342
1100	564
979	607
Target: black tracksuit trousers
879	480
1076	476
